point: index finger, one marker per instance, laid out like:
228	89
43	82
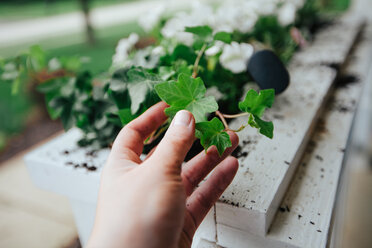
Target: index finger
129	142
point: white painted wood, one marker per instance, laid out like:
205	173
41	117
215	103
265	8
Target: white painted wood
252	200
207	229
332	44
305	219
84	214
52	167
310	197
206	244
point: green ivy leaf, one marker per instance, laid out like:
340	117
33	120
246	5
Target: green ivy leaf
256	103
203	32
265	127
187	93
125	116
141	83
135	82
223	36
211	133
37	58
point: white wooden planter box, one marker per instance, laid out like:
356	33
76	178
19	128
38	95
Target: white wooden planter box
267	166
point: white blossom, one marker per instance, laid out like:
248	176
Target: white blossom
215	49
200	14
287	14
213	91
235	56
174	28
148	57
266	7
149	20
123	48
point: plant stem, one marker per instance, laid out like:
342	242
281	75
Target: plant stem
156	135
196	64
234	116
220	115
238	130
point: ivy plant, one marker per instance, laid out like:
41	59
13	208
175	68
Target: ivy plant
181	74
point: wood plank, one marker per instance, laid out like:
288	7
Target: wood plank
332	44
307	208
58	166
252	200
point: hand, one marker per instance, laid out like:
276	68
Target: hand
156	202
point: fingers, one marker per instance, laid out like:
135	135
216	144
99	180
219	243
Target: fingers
204	197
129	142
171	151
194	171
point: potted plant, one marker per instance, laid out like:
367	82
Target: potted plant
198	61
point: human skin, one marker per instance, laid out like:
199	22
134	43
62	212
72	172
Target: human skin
156	202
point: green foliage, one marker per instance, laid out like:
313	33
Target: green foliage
223	36
212	133
187	93
203	32
255	104
101	104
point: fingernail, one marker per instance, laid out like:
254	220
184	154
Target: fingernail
182	118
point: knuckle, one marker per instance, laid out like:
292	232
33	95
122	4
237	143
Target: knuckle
203	200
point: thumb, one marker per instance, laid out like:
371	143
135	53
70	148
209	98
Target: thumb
172	150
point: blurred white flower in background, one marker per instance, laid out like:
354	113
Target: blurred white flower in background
215	49
228	16
148	57
152	18
267	7
123	48
235	56
200	14
174	28
236	15
287	14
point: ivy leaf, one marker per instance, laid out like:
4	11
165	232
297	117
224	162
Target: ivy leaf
203	32
223	36
125	116
135	82
265	127
187	93
211	133
141	83
37	58
256	103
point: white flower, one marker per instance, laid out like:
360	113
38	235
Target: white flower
54	64
235	56
287	14
123	48
213	91
174	28
159	50
10	71
148	57
298	3
267	7
236	15
216	48
149	20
